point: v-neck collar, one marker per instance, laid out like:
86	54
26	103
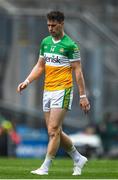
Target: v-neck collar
55	42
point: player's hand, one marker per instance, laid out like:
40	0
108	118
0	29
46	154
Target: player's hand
84	104
22	85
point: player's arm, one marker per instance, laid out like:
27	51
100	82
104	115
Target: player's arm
77	69
34	74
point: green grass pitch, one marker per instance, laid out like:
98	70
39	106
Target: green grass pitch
14	168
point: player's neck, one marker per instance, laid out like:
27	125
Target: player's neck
59	37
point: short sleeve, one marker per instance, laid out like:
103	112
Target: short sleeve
41	51
74	53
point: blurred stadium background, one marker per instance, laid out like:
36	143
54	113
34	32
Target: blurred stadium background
93	24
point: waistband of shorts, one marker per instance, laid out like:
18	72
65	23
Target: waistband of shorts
46	90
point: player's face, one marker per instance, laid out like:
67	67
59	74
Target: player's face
55	28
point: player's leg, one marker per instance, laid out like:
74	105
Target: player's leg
48	159
54	129
68	146
54	120
78	159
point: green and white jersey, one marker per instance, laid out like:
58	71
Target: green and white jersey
58	56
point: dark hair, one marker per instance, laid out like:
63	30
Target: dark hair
55	16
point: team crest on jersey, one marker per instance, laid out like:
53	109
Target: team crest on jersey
61	50
76	49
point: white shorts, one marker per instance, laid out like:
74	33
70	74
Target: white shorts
57	99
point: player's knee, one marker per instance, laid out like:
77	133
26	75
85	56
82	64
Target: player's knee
54	131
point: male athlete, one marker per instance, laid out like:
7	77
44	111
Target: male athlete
59	56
